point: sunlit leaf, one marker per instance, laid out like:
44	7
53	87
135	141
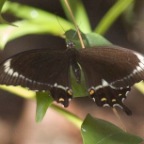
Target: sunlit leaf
89	39
80	14
34	21
111	15
96	131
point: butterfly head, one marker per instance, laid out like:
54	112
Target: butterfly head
70	44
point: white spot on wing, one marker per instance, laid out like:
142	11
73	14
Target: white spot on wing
6	69
140	57
60	86
96	88
106	105
117	105
21	76
126	93
7	63
104	83
123	99
93	99
141	65
15	74
138	68
10	72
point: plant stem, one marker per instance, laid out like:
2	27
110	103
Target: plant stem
17	90
70	116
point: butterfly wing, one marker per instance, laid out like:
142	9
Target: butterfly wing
110	72
40	69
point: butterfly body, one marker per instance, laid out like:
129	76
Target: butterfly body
73	55
109	72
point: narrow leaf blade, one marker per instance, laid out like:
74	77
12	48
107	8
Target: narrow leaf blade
43	102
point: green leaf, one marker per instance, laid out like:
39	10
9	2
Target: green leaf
140	86
96	131
2	2
2	20
79	90
89	39
44	100
8	32
32	13
114	12
36	21
79	13
20	91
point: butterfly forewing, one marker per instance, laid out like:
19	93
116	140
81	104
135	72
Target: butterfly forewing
116	65
110	72
39	70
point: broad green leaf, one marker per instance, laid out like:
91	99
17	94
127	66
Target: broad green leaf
32	13
80	14
35	21
44	100
8	32
89	39
96	131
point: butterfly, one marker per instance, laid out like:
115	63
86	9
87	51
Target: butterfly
109	72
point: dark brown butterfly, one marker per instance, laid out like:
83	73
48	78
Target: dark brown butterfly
109	71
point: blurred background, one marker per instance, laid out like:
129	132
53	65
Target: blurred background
17	115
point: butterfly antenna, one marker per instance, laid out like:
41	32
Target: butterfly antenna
60	24
75	24
119	118
64	29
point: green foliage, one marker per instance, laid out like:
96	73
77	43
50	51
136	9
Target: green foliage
97	131
34	21
90	39
79	13
44	100
113	13
2	2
